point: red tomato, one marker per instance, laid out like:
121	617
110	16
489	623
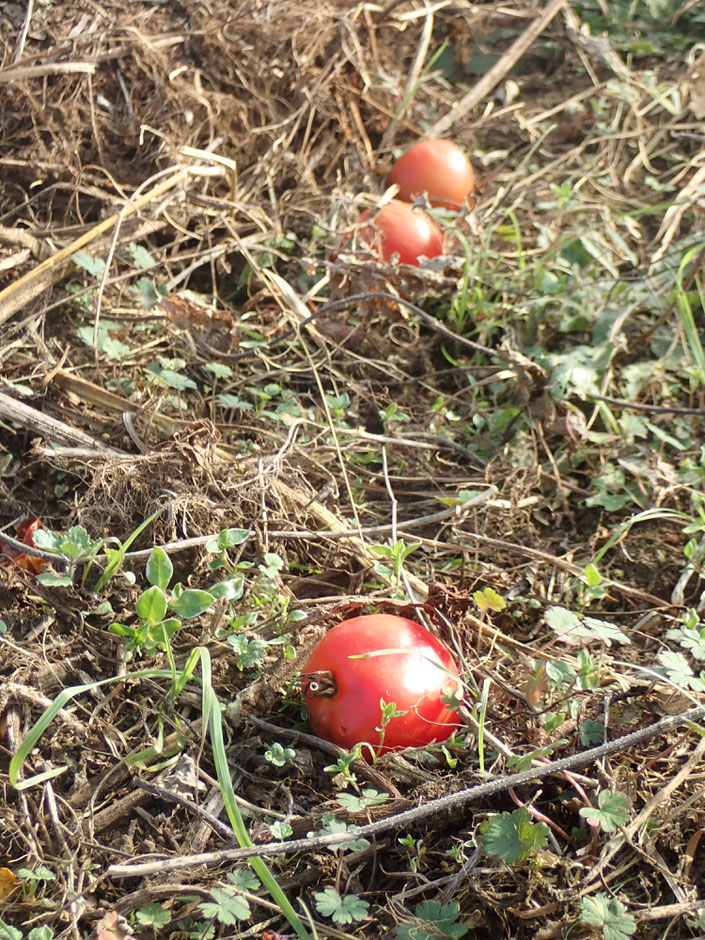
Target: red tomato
399	229
25	533
26	530
343	702
436	167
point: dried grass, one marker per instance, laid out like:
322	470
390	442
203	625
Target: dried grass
208	133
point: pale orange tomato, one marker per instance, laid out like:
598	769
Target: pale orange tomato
436	167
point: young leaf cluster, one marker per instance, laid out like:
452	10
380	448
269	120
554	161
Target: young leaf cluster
433	921
341	909
612	811
512	837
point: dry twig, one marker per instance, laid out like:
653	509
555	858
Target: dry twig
451	802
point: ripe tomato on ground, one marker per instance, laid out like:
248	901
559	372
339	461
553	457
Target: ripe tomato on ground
26	529
399	229
436	167
25	533
343	694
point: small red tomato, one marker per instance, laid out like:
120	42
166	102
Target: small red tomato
26	530
399	229
25	533
343	694
436	167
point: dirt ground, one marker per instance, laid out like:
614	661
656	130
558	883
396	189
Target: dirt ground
189	344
